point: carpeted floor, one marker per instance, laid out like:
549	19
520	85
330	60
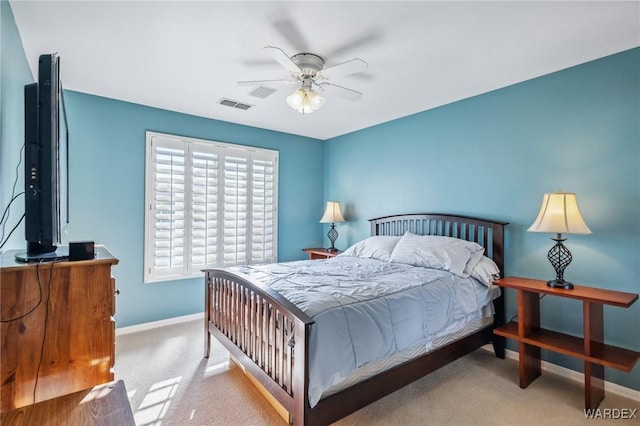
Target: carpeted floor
170	383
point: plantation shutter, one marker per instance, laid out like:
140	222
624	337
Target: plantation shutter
263	207
208	205
235	210
204	213
168	219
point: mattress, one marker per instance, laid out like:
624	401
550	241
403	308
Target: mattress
369	312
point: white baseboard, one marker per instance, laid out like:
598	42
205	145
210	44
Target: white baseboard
574	375
155	324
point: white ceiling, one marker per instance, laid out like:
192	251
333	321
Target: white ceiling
186	56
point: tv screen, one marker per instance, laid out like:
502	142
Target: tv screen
46	162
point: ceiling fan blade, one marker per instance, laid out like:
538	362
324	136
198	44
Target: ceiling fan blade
343	92
283	59
345	68
292	34
355	45
259	82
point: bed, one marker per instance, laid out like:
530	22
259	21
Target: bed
277	341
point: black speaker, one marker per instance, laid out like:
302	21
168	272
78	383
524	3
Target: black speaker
82	250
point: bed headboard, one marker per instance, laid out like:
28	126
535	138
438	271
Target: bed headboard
488	233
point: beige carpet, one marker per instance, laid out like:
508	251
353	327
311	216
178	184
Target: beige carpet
170	383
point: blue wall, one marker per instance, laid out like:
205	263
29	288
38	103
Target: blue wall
14	74
495	155
107	156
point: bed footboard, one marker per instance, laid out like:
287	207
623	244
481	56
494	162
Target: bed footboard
263	331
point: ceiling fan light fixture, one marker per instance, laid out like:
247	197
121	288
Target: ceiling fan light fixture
305	101
295	99
315	100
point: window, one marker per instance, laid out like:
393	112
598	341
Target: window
208	204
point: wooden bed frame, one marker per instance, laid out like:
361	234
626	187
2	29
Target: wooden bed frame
268	335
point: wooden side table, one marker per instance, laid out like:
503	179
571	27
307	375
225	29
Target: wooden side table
592	349
321	253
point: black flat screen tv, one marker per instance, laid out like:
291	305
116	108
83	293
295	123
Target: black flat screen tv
46	163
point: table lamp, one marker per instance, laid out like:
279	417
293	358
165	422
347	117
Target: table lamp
332	214
559	213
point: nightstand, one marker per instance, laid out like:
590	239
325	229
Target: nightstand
592	349
321	253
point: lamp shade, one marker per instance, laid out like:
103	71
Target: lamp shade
559	214
332	213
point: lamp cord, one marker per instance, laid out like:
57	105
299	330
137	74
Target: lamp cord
39	298
46	321
7	210
516	315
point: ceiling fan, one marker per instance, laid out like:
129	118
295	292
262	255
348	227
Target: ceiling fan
307	70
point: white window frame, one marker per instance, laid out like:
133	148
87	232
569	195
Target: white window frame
221	150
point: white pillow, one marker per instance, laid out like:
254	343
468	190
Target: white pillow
475	257
437	252
485	271
376	247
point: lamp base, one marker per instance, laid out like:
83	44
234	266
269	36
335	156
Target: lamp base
333	235
560	257
560	284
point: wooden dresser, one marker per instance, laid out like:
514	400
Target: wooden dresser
57	331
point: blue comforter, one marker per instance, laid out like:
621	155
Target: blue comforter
366	309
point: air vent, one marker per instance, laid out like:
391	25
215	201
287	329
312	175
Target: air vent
234	104
262	92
